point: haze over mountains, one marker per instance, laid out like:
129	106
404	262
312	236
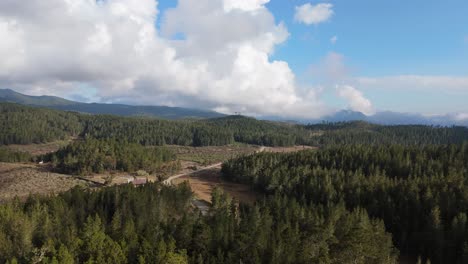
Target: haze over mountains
395	118
383	117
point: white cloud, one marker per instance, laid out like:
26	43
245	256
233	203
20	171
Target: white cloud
333	40
246	5
461	117
415	82
355	99
313	14
223	61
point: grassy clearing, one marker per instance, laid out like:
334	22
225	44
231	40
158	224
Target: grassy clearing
213	154
21	180
41	149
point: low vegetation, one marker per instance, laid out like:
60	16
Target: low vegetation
19	180
213	154
8	155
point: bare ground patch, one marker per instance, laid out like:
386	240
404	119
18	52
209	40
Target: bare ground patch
203	183
18	179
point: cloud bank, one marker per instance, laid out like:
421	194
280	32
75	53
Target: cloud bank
416	82
206	53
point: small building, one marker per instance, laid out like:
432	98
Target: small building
139	181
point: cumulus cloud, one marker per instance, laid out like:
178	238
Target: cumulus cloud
333	40
223	61
246	5
355	99
313	14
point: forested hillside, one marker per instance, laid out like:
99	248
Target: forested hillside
153	132
156	224
53	102
421	193
253	131
360	132
25	125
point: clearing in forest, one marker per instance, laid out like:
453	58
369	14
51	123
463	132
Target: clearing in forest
203	182
18	179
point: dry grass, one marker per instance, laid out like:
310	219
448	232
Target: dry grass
287	149
212	154
41	149
17	179
203	183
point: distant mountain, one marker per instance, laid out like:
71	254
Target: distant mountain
7	95
392	118
345	115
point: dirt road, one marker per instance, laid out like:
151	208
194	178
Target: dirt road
169	180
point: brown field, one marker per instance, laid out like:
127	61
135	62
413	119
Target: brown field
41	149
287	149
203	183
212	154
18	179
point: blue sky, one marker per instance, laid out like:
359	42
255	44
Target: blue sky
382	37
259	57
386	38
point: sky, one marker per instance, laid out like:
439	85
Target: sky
287	58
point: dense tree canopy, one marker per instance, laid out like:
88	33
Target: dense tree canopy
25	125
157	224
91	155
421	193
360	132
156	132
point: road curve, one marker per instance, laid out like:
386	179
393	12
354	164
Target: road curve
169	180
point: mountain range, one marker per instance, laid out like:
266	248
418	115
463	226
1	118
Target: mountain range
394	118
166	112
